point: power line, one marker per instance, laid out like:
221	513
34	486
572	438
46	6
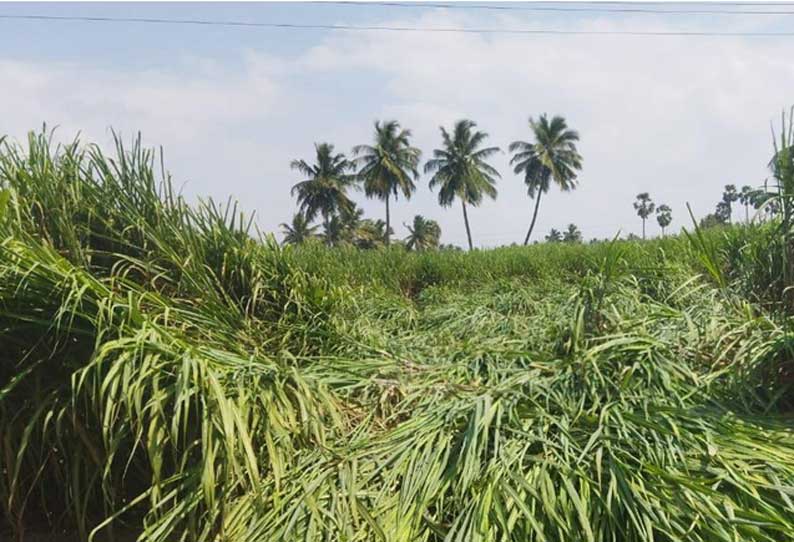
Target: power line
664	2
679	3
557	8
346	27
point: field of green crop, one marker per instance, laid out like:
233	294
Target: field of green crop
168	374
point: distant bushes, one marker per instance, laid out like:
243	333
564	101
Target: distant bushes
410	272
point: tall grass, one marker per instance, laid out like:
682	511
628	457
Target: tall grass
410	272
170	373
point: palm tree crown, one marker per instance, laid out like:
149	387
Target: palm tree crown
342	227
423	234
644	207
460	169
572	234
371	234
299	231
664	216
324	192
554	236
552	157
390	166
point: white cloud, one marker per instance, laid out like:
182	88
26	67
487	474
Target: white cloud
675	116
174	103
199	113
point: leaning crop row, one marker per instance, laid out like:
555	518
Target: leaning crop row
166	374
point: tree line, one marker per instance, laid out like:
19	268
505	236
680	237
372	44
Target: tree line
760	199
459	169
389	167
645	207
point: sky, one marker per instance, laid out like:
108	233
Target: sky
676	116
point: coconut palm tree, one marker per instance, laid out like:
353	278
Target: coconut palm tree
424	234
664	216
552	157
572	234
371	234
335	233
554	236
390	166
460	169
343	227
644	207
324	192
299	231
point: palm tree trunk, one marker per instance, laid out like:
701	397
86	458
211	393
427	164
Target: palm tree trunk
534	217
746	213
466	220
387	220
643	229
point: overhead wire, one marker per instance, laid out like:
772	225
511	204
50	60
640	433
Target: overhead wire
391	28
556	8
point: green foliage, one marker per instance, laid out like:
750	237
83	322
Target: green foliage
5	196
572	234
299	231
371	234
746	198
782	166
141	342
707	251
349	228
552	157
664	216
644	207
554	236
390	167
722	213
324	191
460	168
729	195
712	220
168	375
424	234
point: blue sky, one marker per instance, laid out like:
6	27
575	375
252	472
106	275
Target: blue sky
678	117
